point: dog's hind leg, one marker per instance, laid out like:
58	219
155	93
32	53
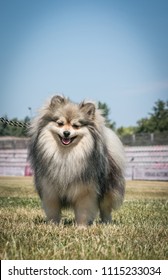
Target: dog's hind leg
105	207
111	200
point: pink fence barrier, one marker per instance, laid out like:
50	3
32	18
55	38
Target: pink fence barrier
147	163
143	163
28	170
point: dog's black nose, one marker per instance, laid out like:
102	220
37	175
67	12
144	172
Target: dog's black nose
66	133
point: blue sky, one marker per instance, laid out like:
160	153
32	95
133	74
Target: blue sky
110	51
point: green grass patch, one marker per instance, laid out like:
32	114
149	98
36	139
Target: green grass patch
139	229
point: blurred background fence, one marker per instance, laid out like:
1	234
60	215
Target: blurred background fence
145	139
146	156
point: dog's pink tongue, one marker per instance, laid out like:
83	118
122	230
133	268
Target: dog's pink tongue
66	141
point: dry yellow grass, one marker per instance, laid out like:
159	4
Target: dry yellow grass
139	229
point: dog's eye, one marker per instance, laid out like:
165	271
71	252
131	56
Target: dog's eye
76	126
60	123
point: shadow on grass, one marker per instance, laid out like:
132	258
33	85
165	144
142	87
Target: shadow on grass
70	222
65	222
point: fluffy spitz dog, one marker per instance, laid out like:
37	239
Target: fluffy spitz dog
78	162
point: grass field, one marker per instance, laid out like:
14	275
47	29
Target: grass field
139	229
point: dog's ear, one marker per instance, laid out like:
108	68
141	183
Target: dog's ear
88	109
56	101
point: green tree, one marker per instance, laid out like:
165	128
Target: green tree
122	131
105	112
158	120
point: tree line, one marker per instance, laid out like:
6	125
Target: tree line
157	121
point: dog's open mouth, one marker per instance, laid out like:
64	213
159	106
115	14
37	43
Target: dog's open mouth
66	140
